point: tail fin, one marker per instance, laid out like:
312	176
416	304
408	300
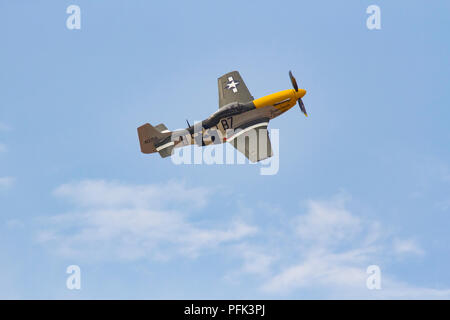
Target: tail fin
149	136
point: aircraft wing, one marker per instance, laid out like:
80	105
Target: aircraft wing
252	140
232	89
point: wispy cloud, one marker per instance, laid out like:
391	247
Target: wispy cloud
255	259
111	194
6	182
327	222
329	248
326	254
118	221
407	246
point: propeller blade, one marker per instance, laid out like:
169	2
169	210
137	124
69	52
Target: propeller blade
300	101
302	106
293	81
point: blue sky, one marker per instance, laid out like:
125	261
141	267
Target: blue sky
364	180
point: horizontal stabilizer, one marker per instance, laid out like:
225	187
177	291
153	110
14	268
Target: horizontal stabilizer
161	128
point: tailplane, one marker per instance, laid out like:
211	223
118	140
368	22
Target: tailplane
155	139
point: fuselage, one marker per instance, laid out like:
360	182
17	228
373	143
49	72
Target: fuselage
231	116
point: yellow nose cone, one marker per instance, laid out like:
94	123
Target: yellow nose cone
300	93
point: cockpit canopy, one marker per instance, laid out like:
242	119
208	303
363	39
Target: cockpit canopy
231	109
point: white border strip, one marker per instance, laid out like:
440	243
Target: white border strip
261	124
171	143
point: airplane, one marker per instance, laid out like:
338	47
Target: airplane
239	114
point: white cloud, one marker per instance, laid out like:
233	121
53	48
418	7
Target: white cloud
6	182
327	222
322	269
329	248
110	194
118	221
255	260
407	246
394	289
321	261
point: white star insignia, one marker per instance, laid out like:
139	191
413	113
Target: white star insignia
232	85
